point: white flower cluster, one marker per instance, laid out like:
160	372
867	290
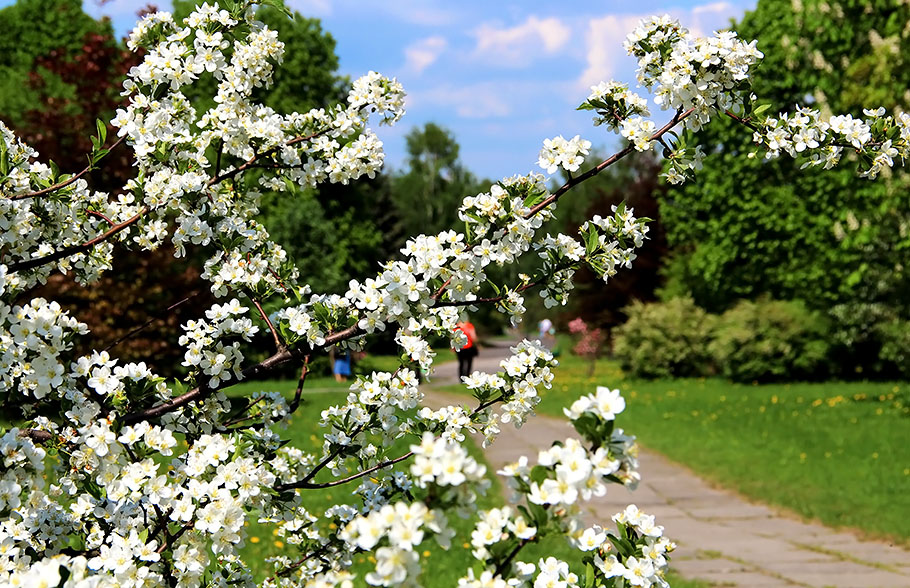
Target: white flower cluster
575	474
527	369
610	242
878	139
373	406
592	416
638	131
400	528
439	462
380	95
605	404
37	227
494	524
22	467
646	569
31	340
706	74
205	350
683	162
567	154
614	103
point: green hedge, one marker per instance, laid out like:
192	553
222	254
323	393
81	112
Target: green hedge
771	340
753	341
665	339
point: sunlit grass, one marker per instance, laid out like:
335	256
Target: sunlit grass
838	451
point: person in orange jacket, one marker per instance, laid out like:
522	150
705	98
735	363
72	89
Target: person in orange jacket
467	353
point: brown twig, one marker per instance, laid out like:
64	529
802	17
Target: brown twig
251	163
64	183
295	403
101	216
152	320
278	344
37	435
74	249
505	563
572	182
304	484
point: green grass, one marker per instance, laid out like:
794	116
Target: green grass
837	452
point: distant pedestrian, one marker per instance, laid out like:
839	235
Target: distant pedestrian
544	328
341	367
467	353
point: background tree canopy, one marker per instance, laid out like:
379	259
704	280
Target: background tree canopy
754	226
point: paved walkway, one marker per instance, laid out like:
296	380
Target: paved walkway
722	538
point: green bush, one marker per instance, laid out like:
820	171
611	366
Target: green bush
771	340
895	338
665	339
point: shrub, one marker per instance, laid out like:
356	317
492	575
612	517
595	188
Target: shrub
771	340
895	338
665	339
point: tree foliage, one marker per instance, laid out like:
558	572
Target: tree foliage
749	225
427	194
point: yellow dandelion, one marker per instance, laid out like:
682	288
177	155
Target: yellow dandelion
279	544
254	539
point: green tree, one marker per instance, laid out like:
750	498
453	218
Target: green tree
783	240
426	197
29	30
787	237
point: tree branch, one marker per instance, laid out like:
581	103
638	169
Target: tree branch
572	182
251	163
74	249
304	483
292	407
152	320
65	183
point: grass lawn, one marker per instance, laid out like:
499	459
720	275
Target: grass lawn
837	452
441	568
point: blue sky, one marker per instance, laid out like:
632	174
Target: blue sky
501	75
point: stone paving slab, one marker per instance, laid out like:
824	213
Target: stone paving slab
722	538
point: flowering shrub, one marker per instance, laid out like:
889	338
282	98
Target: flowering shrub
589	340
114	476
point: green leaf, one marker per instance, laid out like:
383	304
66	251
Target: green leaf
539	473
102	131
760	109
99	155
279	5
589	575
4	160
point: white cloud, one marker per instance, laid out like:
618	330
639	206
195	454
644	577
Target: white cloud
518	45
604	47
723	7
707	18
423	53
